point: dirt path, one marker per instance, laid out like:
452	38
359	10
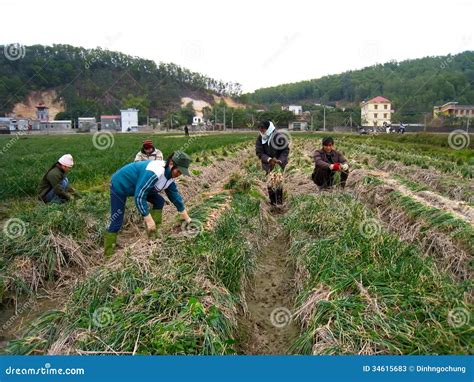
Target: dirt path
268	327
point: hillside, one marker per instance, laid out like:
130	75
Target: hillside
92	82
414	86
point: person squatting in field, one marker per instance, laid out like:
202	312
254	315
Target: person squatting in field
54	186
144	181
148	152
328	161
272	148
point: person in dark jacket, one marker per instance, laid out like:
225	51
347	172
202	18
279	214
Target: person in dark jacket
186	130
54	187
327	162
272	148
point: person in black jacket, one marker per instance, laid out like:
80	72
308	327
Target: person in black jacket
328	161
272	148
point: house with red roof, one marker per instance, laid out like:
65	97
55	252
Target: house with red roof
376	112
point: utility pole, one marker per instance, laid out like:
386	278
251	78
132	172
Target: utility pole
215	117
232	119
324	117
224	117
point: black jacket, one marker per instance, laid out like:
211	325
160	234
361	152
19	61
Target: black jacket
277	147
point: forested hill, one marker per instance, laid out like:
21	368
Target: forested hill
97	81
417	84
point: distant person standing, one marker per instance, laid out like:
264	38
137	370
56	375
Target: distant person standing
148	152
54	187
328	161
401	129
186	131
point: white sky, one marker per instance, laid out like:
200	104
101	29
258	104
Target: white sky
256	43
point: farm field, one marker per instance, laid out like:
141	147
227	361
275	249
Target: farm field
381	267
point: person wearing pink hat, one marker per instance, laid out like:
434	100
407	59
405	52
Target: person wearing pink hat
54	187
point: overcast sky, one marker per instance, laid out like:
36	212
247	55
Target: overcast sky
256	43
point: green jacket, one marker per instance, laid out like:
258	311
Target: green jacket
51	180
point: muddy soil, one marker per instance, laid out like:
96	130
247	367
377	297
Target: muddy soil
268	326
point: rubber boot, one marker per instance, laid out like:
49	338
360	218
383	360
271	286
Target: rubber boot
279	196
157	216
272	195
110	241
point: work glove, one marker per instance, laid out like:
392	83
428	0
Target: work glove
335	167
150	223
345	166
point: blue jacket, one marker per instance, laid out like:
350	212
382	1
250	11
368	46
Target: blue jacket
139	178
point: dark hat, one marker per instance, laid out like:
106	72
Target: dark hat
147	144
328	141
182	161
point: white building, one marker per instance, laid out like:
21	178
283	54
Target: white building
85	124
299	125
296	109
129	119
376	112
62	125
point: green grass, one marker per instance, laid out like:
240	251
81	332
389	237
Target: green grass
385	297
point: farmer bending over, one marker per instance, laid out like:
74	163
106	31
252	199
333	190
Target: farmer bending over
272	148
145	180
327	162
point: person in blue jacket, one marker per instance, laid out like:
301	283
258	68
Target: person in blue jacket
144	181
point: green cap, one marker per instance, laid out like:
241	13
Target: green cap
182	161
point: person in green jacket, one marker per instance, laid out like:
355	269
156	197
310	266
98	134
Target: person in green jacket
54	187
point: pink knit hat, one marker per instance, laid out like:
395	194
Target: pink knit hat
66	160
